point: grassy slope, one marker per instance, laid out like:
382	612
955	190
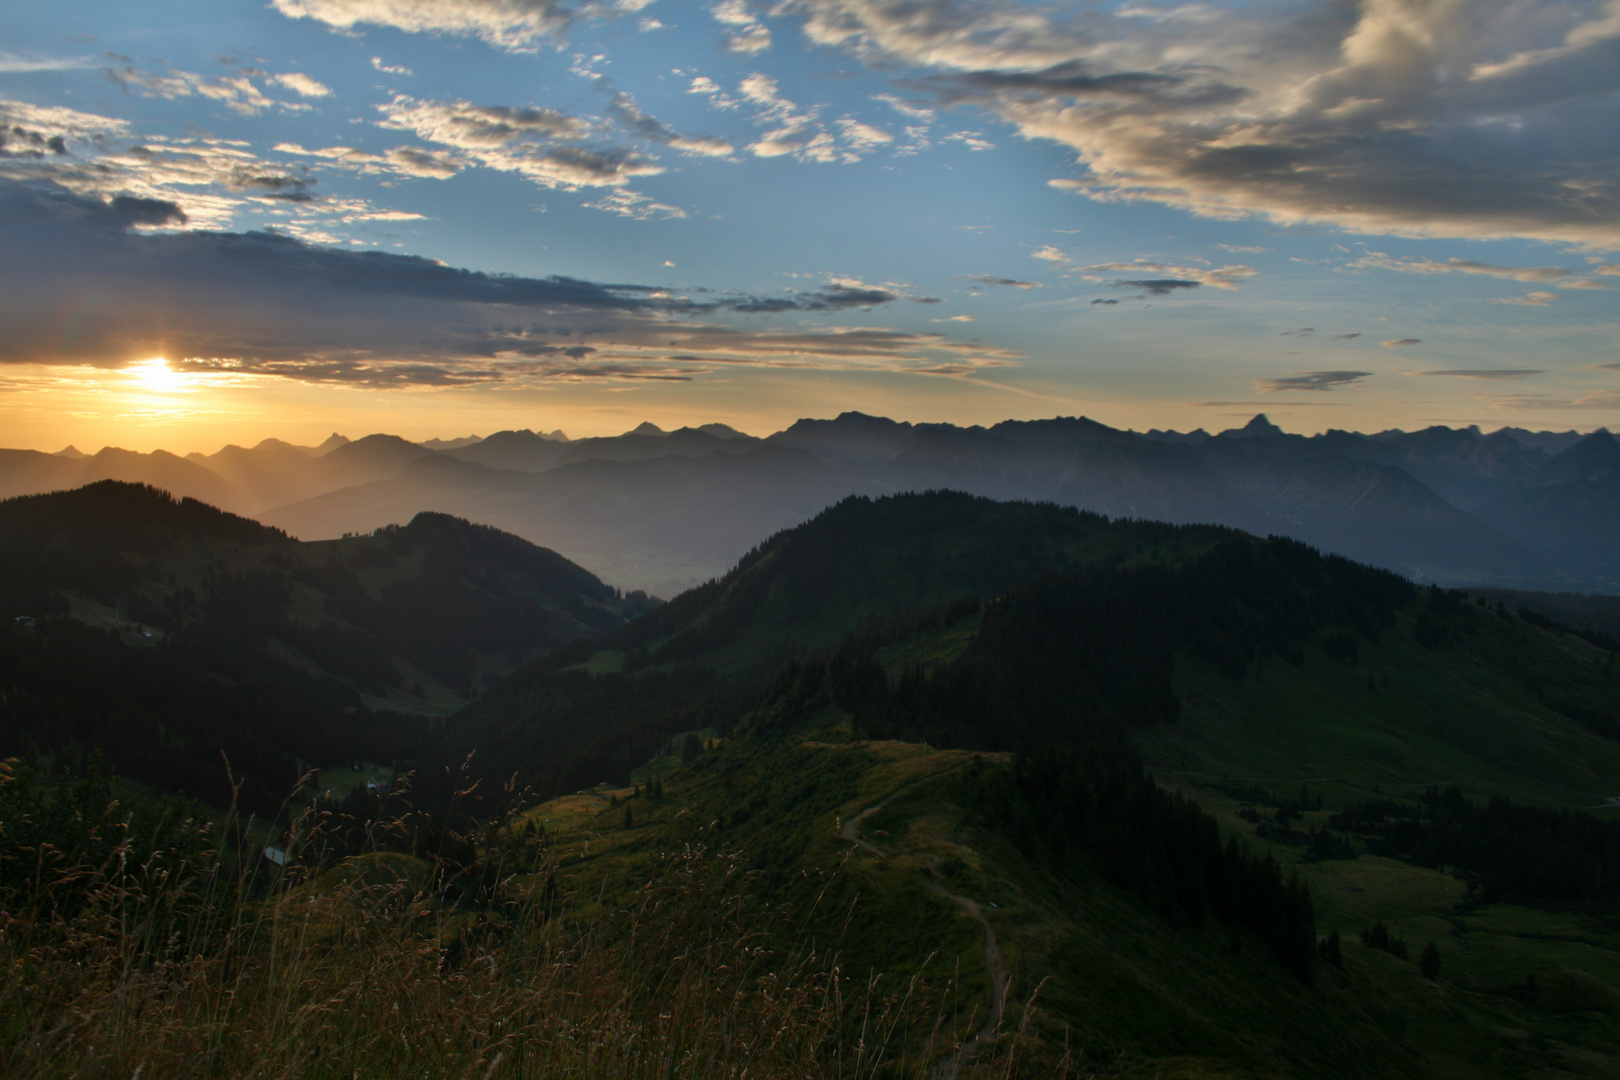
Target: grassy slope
1144	998
1479	712
1112	982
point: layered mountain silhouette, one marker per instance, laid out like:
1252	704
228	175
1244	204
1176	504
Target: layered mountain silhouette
666	510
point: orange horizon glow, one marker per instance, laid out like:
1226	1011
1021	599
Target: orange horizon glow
151	404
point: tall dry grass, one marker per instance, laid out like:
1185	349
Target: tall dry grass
175	959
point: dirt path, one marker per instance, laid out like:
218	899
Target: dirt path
852	829
994	962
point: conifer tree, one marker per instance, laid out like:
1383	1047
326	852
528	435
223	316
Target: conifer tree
1332	951
1429	963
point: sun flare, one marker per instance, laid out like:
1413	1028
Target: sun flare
156	375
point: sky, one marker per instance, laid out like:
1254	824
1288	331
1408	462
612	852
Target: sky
222	221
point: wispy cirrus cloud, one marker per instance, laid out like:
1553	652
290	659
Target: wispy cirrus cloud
1541	275
17	63
239	93
623	108
1488	374
991	279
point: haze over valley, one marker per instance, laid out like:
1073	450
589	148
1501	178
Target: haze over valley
664	511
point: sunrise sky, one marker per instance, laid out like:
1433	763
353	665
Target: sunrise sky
221	221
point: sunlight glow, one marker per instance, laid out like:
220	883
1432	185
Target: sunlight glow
156	375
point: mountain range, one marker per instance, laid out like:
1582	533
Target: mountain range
663	511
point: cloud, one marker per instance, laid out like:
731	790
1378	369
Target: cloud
267	305
991	279
905	108
412	161
1409	117
36	131
1110	303
1316	381
1401	343
131	211
1050	254
209	178
390	69
19	141
1530	299
840	294
1167	277
635	205
795	131
624	109
970	139
14	64
538	143
1485	373
238	93
748	35
1563	278
1346	337
1595	399
1157	286
860	137
508	24
303	85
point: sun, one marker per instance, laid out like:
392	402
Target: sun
156	375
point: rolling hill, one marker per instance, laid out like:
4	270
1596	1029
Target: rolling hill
161	631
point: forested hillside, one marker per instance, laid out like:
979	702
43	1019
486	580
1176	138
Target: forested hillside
164	634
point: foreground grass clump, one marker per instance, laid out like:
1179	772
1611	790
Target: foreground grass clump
139	944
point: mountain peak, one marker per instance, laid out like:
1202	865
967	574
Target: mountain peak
1257	428
1261	424
646	427
333	441
70	451
456	443
722	431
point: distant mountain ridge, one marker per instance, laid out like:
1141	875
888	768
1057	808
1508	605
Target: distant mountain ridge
666	510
